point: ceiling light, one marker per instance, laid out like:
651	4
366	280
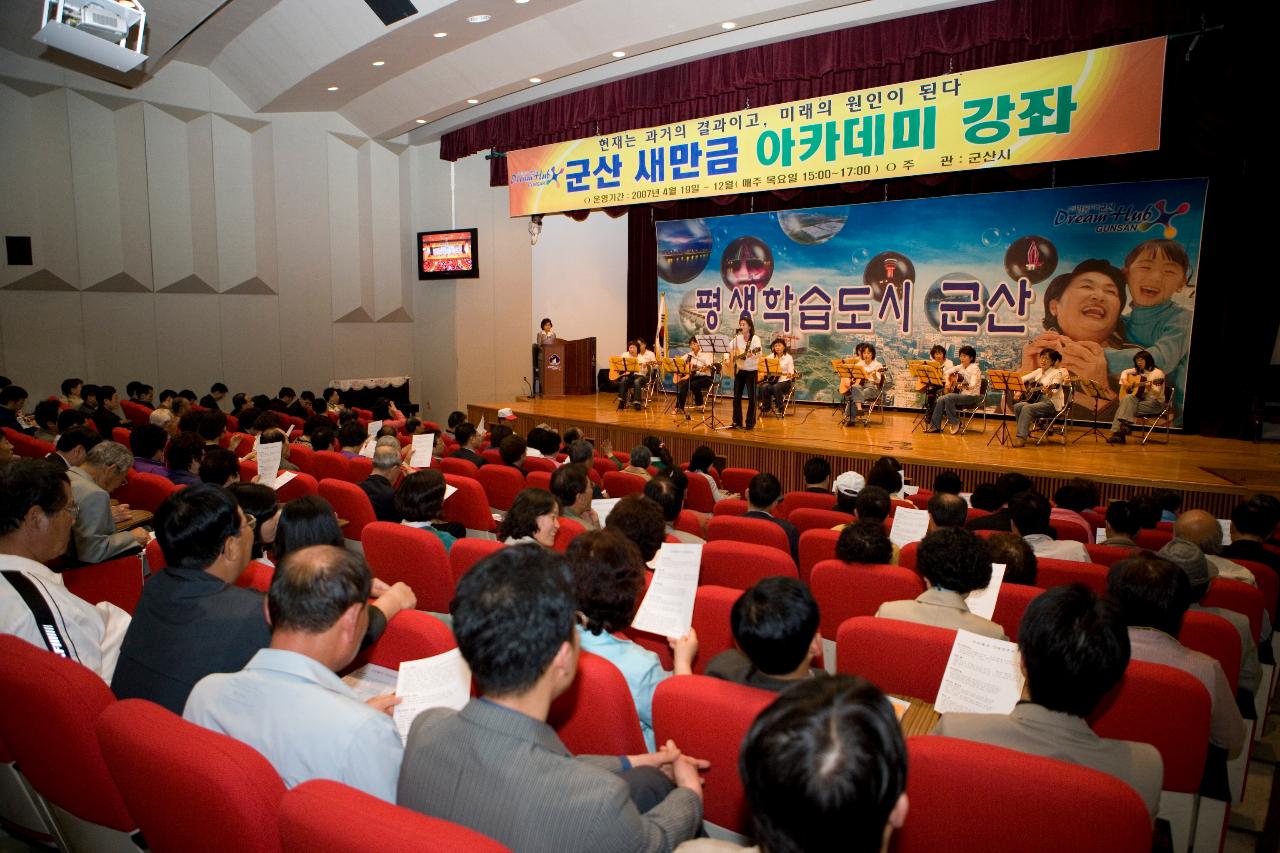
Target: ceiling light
478	19
535	79
472	101
618	54
379	64
521	2
440	35
420	120
333	88
728	25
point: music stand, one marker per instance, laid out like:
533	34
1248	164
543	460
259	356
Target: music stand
856	376
623	366
678	367
929	373
1009	382
1096	392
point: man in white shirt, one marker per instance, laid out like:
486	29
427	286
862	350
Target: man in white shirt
287	702
36	514
1142	394
1029	515
968	389
1051	379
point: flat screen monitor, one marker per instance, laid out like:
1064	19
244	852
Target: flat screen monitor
448	254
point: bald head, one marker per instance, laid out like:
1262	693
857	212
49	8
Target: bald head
312	588
1200	528
947	510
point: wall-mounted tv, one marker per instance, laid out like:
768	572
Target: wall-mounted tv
448	254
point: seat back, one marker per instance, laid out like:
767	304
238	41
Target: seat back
969	797
469	506
501	484
539	463
712	606
243	447
330	465
1239	597
737	479
410	635
189	787
118	581
1067	524
145	491
816	546
730	506
709	718
538	480
620	484
900	657
316	817
698	497
1108	555
688	522
907	555
1215	637
807	518
304	457
26	446
1051	573
569	530
51	706
1153	540
1011	603
121	435
156	559
845	590
596	715
136	413
1268	584
300	485
1167	708
465	553
359	468
807	500
739	565
460	467
398	552
753	531
351	504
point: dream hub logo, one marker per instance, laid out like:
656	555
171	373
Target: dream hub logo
1106	217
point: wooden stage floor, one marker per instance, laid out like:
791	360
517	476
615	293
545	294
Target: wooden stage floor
1211	473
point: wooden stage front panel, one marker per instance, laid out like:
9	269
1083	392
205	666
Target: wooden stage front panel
1210	473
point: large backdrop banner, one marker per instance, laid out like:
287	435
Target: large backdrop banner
1087	104
1096	272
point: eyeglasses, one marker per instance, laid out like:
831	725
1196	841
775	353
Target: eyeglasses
72	509
250	522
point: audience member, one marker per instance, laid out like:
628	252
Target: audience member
259	502
985	497
211	400
873	504
1074	649
381	483
288	702
1147	510
73	446
947	509
1029	514
106	416
1121	525
817	475
947	483
497	433
89	395
45	416
572	488
37	510
763	494
955	563
452	423
775	629
274	435
668	492
147	443
13	398
70	395
94	538
470	441
420	501
1006	486
608	580
640	519
1252	522
182	458
640	461
514	619
513	451
1015	554
1203	530
1170	502
846	488
865	542
351	437
660	457
219	467
534	517
700	463
1153	595
886	476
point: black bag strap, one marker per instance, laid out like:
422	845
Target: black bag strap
49	630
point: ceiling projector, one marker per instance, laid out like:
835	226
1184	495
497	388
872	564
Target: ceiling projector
108	32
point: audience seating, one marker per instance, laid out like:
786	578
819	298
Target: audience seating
330	465
968	797
1070	525
459	467
920	500
907	555
688	522
539	463
1153	540
304	457
300	485
538	480
1051	573
136	413
257	575
398	552
806	518
793	501
248	470
465	553
699	497
752	531
619	484
501	484
739	565
816	546
900	657
1216	637
469	506
410	635
243	447
737	479
709	718
144	491
730	506
1268	584
47	719
596	715
25	445
1011	603
155	556
1108	555
317	817
190	788
20	813
1240	597
973	512
713	471
359	468
844	590
492	455
120	435
351	504
118	581
603	465
711	621
569	530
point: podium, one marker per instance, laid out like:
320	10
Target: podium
568	367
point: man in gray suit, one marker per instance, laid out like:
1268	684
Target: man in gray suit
94	537
1075	647
497	767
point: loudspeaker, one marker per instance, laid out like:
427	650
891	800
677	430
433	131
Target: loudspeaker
18	251
390	11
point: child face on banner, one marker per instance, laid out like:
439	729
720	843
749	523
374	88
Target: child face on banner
1154	278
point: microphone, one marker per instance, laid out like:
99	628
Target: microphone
527	385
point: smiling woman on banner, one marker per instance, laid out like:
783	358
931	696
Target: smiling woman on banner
1082	320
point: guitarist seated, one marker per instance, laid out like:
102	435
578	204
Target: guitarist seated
774	388
869	388
629	384
938	354
699	377
964	389
1044	396
1141	394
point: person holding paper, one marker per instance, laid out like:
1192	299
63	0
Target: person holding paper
515	619
419	502
288	702
640	520
1029	515
608	580
276	436
381	483
1074	647
1012	551
668	491
351	437
955	563
775	629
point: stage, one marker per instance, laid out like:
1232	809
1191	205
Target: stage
1211	473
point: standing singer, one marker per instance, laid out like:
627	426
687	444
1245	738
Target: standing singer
744	359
